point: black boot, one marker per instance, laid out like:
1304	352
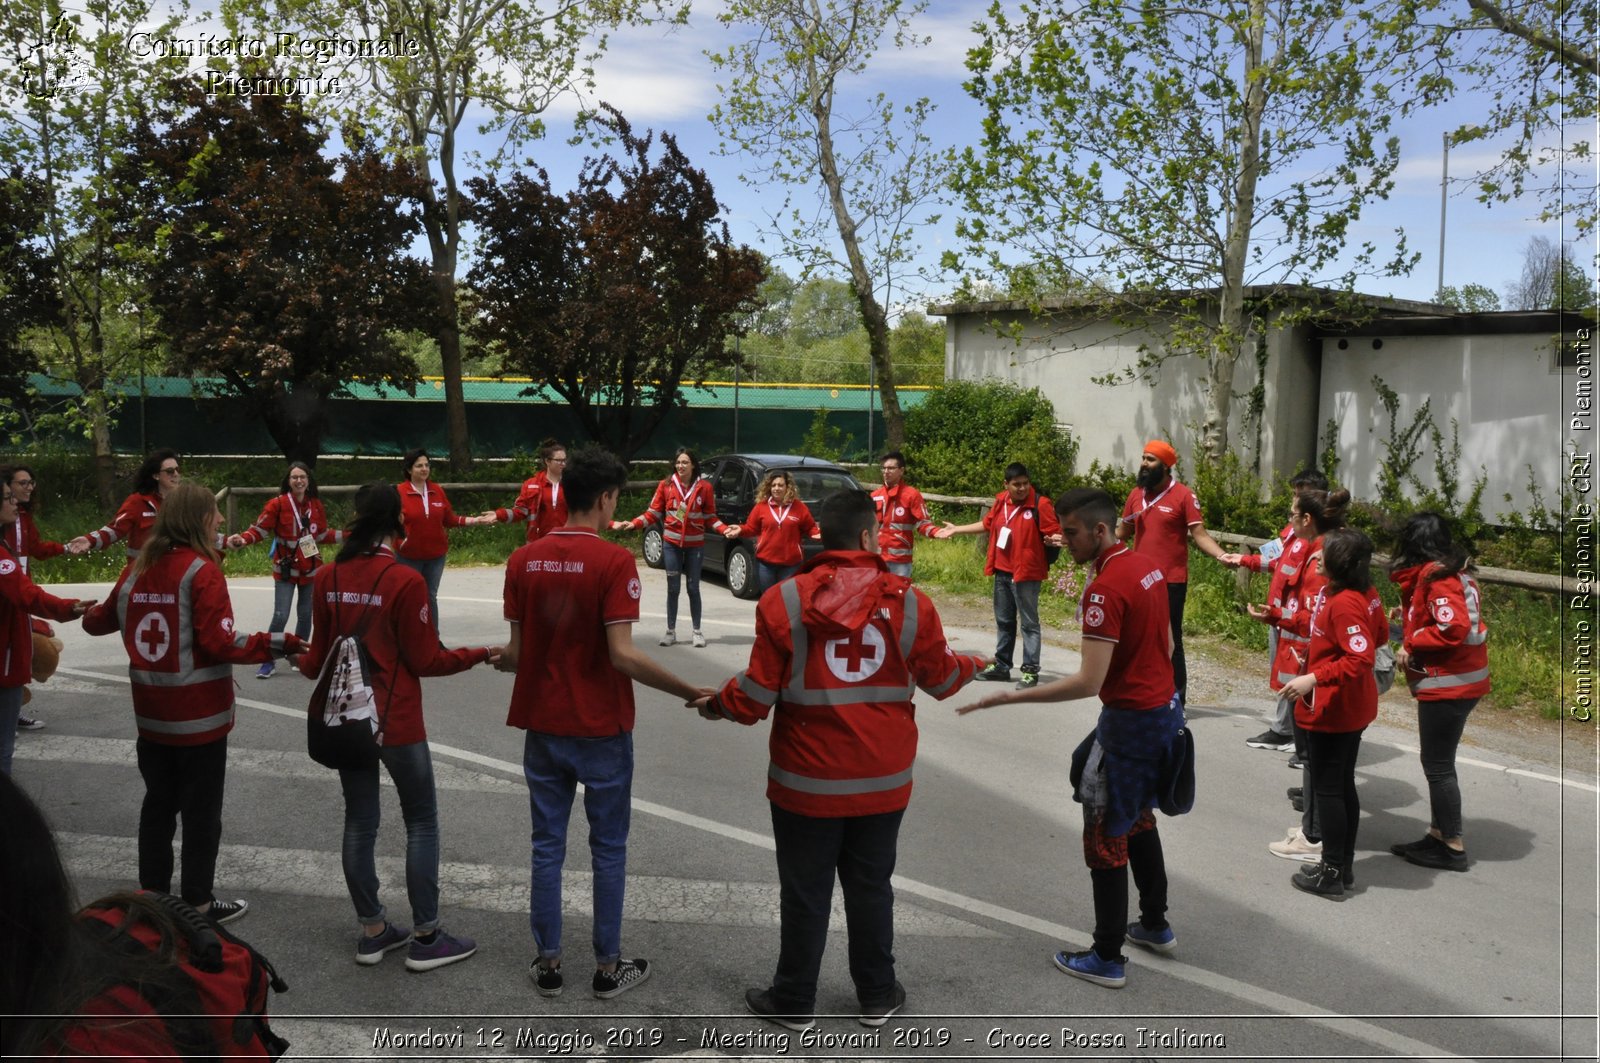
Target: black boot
1324	879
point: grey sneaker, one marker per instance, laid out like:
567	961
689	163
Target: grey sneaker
373	948
669	639
699	641
628	974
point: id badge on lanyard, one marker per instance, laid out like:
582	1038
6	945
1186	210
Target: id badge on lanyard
1001	540
306	544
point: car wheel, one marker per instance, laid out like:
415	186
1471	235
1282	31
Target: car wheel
654	551
742	572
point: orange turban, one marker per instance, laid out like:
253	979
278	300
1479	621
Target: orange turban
1162	451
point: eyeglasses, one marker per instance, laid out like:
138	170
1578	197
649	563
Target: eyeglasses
170	472
558	461
21	483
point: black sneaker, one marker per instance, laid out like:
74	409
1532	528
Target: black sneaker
760	1002
1427	841
628	974
994	674
1324	880
546	979
1438	855
226	911
1271	740
1029	681
1296	763
29	723
878	1014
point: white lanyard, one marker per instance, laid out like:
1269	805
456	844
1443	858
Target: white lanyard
555	493
776	516
424	493
1007	514
1153	501
299	525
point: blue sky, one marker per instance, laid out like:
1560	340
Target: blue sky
660	78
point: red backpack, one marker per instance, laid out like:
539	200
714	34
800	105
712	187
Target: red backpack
215	1008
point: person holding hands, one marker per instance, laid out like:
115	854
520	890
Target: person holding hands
777	522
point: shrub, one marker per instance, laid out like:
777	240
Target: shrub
965	434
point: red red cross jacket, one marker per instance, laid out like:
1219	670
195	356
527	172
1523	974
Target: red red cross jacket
132	523
1444	633
25	541
426	516
284	521
1346	630
839	651
177	626
20	598
684	512
778	530
901	514
1256	563
1028	523
1293	575
534	505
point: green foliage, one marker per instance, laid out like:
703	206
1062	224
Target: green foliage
1469	298
1230	498
960	439
1401	491
823	440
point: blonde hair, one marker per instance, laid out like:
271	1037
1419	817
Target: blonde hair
182	520
764	490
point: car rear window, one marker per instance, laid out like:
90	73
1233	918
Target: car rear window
816	484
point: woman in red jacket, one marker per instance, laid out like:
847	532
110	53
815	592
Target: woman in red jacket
172	608
295	522
20	598
26	543
777	522
369	593
427	513
134	519
1336	698
1444	655
684	507
541	502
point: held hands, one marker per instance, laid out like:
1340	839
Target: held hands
79	546
83	606
622	525
1055	540
488	516
702	705
496	654
1231	560
234	541
732	531
945	532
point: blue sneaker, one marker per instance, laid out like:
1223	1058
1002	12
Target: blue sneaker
443	949
373	949
1091	968
1162	940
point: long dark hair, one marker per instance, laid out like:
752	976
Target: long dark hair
183	520
149	474
1426	537
1325	508
410	459
1347	559
377	517
311	479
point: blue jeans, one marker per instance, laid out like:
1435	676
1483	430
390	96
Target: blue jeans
10	709
411	768
432	571
769	576
554	765
680	563
1016	602
282	594
811	850
900	568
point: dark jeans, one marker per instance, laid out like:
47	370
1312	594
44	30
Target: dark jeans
1332	759
683	565
411	768
861	850
1439	727
283	593
1016	604
10	709
1177	594
1310	818
553	766
768	576
184	781
432	571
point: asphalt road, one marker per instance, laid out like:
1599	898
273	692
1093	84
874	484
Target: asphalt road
1499	962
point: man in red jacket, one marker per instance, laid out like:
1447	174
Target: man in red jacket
902	515
840	649
1021	523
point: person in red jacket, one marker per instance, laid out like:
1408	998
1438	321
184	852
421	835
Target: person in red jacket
684	506
902	515
1282	551
172	608
1444	655
777	522
844	739
1119	771
26	543
427	514
296	523
1021	523
1336	699
369	593
20	598
541	502
136	517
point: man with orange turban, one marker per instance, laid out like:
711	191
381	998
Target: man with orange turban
1161	516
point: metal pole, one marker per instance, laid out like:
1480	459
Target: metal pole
1444	199
736	394
872	389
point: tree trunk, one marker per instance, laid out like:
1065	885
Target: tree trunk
100	442
296	420
448	335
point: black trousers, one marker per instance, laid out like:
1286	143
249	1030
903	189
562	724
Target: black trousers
811	851
1333	779
186	782
1177	594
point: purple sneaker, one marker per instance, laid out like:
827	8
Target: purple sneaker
443	949
372	949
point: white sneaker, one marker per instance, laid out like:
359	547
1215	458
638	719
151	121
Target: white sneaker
669	639
699	641
1296	847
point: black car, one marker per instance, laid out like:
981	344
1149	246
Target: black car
733	480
